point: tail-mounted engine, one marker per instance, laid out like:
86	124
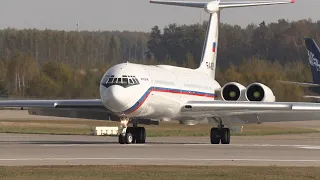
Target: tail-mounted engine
259	92
233	91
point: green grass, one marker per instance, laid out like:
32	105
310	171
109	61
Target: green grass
167	129
86	127
158	172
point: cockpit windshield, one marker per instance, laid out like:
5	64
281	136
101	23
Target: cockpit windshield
124	81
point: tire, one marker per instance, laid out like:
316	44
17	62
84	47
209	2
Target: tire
129	138
143	135
120	139
132	130
140	135
225	136
214	136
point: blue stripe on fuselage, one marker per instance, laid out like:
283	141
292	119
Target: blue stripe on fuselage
168	90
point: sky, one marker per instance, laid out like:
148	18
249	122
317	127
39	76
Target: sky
136	15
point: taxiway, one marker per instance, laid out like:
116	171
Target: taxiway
287	150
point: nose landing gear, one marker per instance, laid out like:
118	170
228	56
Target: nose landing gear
131	135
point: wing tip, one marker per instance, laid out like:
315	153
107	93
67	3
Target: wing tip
293	1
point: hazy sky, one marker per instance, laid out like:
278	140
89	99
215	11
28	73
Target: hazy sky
135	15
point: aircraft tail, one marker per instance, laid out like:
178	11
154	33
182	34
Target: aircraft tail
209	52
314	56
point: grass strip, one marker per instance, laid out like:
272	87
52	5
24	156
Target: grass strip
158	172
86	127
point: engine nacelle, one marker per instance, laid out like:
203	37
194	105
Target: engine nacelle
259	92
233	91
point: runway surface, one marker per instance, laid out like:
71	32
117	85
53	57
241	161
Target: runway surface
286	150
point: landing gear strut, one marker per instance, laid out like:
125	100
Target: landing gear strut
220	134
130	135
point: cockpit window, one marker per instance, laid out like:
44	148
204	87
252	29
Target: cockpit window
110	80
124	81
105	79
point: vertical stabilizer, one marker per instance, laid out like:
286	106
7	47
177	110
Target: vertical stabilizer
209	53
314	57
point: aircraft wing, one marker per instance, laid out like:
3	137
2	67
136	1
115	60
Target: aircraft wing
229	109
72	103
181	3
248	105
315	97
222	4
231	119
300	84
231	4
72	108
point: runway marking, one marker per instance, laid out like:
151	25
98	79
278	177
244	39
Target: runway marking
162	159
310	147
218	145
89	145
314	147
248	145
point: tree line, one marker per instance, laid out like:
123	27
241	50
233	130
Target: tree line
60	64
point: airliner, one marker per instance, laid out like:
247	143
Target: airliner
313	56
137	92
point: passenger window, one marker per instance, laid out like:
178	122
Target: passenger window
119	81
130	81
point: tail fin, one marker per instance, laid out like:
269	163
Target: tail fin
209	52
314	56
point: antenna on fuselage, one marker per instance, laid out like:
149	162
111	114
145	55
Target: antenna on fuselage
209	52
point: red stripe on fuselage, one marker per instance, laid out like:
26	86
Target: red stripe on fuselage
187	93
168	91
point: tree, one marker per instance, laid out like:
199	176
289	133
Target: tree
114	53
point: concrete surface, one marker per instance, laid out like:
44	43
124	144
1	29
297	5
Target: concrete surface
288	150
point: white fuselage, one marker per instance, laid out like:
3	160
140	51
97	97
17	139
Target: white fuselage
154	92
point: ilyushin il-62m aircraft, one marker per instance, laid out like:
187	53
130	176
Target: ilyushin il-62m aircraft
139	93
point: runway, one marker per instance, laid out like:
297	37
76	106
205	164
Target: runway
281	150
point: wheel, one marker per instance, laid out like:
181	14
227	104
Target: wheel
121	139
144	135
132	131
128	138
225	136
140	135
214	136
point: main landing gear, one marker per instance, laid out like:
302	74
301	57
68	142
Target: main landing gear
130	135
220	134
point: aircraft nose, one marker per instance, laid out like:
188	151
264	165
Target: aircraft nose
114	98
